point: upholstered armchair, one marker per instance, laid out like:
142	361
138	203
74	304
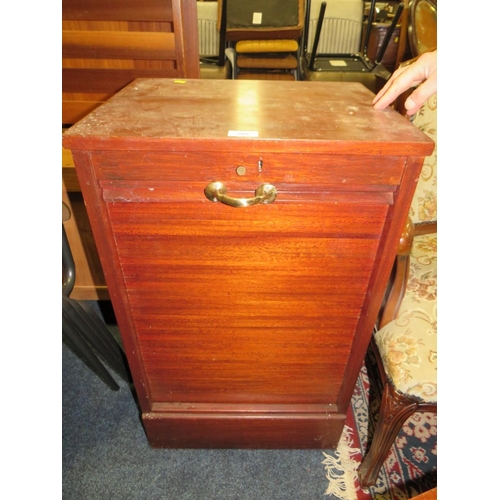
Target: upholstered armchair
405	340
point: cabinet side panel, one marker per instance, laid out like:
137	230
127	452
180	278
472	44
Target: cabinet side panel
108	255
384	261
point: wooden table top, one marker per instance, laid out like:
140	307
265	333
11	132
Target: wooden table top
313	116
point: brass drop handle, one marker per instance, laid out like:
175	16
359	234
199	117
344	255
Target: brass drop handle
216	191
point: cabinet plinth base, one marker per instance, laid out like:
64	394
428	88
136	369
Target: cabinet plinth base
253	431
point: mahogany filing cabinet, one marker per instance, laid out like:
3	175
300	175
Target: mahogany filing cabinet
247	230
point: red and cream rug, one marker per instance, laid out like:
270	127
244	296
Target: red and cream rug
410	468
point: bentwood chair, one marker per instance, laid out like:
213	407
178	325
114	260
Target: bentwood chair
405	340
85	331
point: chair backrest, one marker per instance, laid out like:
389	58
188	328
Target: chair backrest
422	26
424	204
263	19
342	26
106	44
208	33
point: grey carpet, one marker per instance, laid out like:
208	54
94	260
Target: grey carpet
106	455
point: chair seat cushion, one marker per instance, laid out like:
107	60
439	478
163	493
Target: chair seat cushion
408	344
263	46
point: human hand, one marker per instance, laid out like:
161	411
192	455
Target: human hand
423	71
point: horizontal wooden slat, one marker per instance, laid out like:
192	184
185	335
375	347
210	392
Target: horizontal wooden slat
340	170
112	80
73	111
152	192
99	25
85	96
92	63
152	26
117	10
118	45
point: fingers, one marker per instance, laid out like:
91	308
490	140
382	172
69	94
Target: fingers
422	70
387	85
421	94
402	80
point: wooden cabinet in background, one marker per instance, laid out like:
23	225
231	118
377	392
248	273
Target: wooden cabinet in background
247	230
395	52
106	44
90	283
377	35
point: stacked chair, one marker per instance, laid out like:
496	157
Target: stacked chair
264	37
334	29
342	26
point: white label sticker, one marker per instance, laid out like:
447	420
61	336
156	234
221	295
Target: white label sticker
243	133
257	18
337	63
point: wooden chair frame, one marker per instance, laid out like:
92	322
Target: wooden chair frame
395	407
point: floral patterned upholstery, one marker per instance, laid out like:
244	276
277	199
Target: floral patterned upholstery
424	204
408	344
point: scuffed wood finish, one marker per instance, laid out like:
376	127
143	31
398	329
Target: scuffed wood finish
324	120
246	327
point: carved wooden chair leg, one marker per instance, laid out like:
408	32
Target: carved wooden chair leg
395	409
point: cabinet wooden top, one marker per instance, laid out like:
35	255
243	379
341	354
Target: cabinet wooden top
251	115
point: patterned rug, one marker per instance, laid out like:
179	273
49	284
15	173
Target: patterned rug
411	467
